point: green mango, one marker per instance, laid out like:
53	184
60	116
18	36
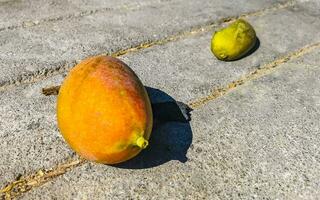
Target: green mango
234	41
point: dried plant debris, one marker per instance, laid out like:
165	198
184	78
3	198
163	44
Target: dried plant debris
53	90
26	183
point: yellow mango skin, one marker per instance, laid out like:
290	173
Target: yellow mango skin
234	41
103	111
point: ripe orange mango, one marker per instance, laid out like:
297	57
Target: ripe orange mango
103	110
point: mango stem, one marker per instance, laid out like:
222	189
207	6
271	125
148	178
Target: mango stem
141	142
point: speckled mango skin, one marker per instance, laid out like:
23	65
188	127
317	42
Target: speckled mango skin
103	111
234	41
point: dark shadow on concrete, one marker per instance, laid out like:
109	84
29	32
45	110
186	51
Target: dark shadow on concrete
171	136
251	51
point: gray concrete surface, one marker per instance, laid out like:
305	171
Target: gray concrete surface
29	134
189	65
54	44
32	12
184	64
259	141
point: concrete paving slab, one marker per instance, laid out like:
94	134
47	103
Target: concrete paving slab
182	64
258	142
27	12
51	45
32	12
28	131
189	65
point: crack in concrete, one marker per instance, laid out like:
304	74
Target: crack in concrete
41	74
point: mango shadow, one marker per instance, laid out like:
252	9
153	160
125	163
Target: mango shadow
171	136
250	52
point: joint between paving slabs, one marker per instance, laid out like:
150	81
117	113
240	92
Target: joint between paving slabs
26	183
80	14
255	74
34	77
84	13
265	69
200	29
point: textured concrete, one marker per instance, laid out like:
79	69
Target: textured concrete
58	43
259	141
184	64
32	12
29	134
189	65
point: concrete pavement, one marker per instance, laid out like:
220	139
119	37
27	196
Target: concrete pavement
258	140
